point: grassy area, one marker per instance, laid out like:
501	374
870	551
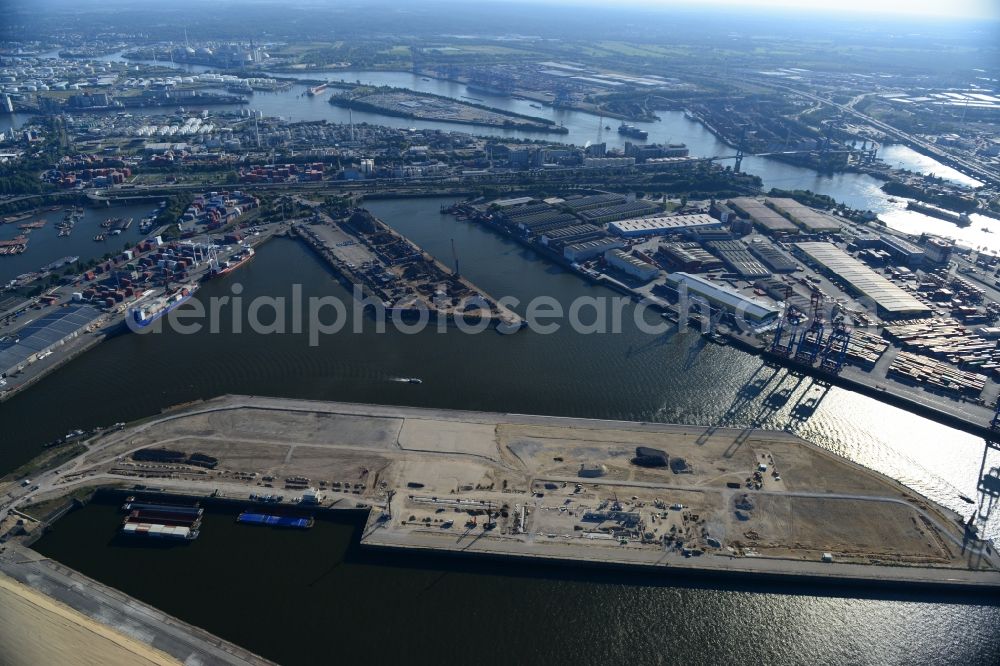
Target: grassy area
41	511
397	51
49	458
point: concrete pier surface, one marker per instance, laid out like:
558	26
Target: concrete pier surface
510	485
50	615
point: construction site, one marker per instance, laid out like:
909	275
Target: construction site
600	492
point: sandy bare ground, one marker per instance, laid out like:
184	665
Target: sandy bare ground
70	637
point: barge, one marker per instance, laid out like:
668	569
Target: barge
272	520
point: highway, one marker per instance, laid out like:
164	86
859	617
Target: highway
985	174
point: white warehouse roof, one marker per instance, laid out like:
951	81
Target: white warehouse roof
662	224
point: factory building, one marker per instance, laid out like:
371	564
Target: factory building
601	162
43	335
811	221
576	233
773	258
903	252
662	225
938	250
725	298
623	211
891	301
631	265
737	258
687	257
590	249
768	221
578	204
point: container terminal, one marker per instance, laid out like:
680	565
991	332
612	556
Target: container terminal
143	283
659	497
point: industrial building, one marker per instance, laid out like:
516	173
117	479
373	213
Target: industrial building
891	301
903	252
623	211
575	233
594	201
737	258
661	225
724	298
42	335
812	221
590	249
687	257
773	258
768	221
631	265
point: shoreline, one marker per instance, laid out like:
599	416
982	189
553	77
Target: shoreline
873	557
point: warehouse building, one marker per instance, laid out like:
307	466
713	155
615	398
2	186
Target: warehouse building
590	249
903	252
724	298
631	265
773	258
576	233
687	257
768	221
662	225
24	347
812	221
578	204
737	258
623	211
891	301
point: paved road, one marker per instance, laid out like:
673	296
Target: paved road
980	171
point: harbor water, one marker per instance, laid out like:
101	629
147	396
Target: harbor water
301	596
312	596
45	245
676	377
856	190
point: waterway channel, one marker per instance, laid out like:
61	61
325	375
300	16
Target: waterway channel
317	597
301	597
304	597
674	377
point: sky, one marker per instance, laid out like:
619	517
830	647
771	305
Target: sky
989	9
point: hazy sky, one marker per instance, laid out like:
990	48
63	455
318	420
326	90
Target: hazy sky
953	8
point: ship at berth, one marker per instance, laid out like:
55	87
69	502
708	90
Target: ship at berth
143	315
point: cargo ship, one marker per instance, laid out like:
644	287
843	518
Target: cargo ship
315	90
237	259
272	520
960	219
146	314
632	131
59	263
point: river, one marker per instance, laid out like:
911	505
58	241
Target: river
296	597
855	190
316	596
631	375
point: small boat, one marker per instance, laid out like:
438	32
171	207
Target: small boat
414	380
